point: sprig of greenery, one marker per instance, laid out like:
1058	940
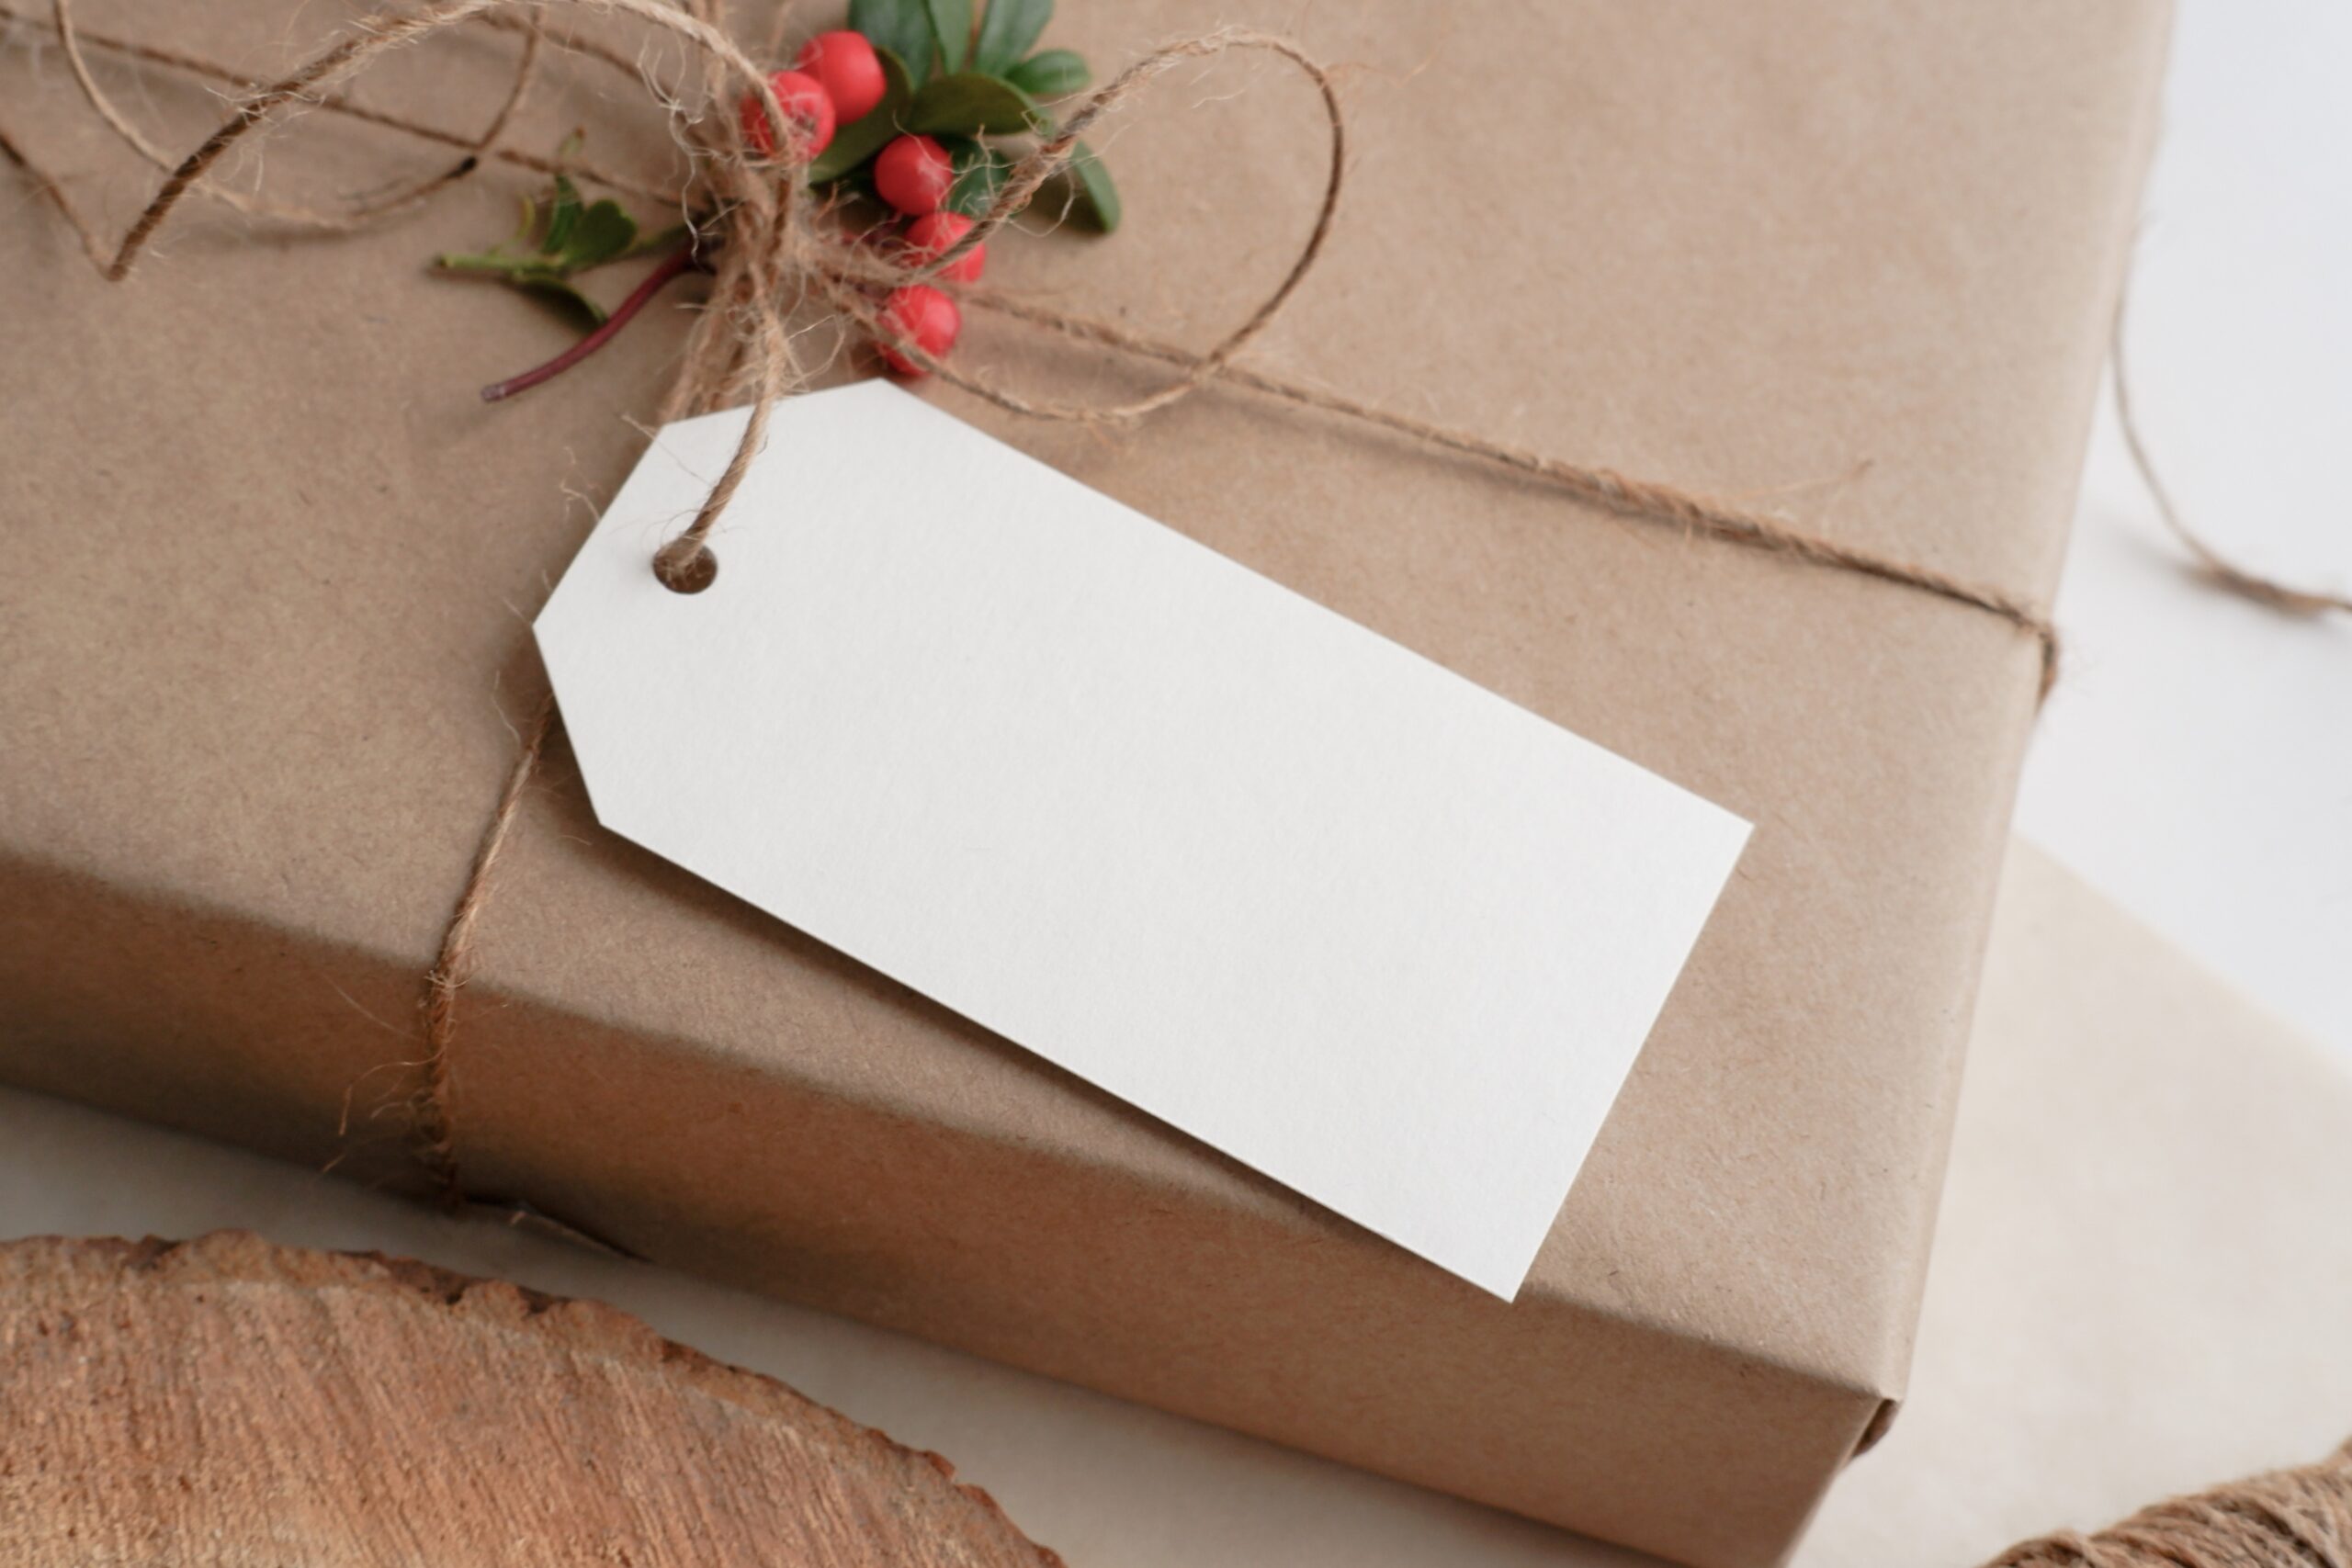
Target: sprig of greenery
562	235
966	79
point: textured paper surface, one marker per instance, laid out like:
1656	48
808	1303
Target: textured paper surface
1309	896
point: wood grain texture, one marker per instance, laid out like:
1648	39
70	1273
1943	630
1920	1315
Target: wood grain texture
228	1402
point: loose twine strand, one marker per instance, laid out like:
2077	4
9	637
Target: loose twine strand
2219	569
770	256
358	216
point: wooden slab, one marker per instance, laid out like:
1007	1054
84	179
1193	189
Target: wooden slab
230	1403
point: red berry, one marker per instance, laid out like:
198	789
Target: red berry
806	104
914	174
935	233
845	65
923	316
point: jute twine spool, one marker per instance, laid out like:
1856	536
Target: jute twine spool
2287	1518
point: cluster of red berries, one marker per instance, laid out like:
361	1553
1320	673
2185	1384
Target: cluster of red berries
837	81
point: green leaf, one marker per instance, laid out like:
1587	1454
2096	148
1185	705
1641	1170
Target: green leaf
553	288
979	174
970	103
951	25
1049	73
853	144
604	232
1009	29
563	212
1099	197
902	27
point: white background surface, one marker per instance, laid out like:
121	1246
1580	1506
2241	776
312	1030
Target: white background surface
2197	764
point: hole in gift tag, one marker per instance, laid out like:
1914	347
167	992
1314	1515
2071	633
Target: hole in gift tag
686	571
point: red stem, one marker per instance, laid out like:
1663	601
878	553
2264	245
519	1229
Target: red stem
679	261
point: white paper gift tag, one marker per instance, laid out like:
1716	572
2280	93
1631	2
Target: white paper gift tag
1304	895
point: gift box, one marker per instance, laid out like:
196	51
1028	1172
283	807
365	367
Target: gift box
272	562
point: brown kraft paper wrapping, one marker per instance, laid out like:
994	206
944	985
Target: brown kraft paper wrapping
264	632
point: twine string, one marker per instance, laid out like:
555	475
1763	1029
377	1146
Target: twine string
198	66
358	215
760	232
433	1135
2217	568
